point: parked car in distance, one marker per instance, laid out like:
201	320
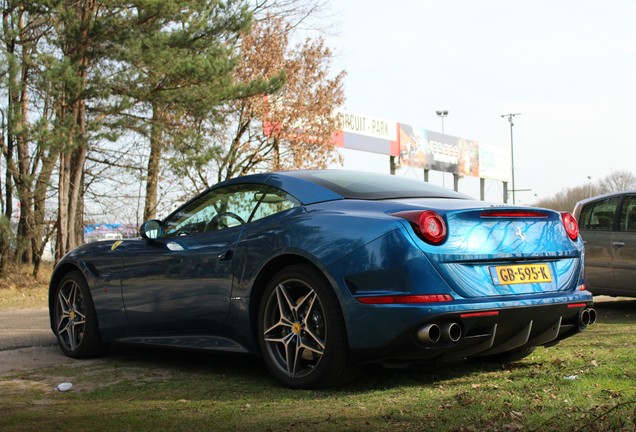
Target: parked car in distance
319	271
607	225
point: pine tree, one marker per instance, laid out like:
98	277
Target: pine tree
96	71
181	58
287	129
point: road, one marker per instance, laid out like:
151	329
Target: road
27	342
25	328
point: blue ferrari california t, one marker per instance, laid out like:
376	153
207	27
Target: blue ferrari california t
319	271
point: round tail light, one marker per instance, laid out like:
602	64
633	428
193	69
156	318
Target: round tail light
427	224
570	224
432	227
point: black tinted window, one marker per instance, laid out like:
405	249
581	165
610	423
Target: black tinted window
628	214
599	215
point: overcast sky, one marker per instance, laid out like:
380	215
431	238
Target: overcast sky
569	68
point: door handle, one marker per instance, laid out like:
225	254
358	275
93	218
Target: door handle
618	244
225	256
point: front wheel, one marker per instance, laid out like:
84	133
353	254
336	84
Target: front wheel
301	331
74	318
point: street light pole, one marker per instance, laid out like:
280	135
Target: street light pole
511	116
441	114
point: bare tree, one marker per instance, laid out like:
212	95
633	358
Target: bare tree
565	199
617	181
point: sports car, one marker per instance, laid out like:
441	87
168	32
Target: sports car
320	271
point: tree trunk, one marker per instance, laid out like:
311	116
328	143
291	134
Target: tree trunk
7	149
61	247
73	157
70	217
154	164
26	226
43	229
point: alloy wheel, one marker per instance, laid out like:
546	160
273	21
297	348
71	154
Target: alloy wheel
294	328
70	315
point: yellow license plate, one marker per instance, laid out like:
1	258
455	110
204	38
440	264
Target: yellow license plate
520	274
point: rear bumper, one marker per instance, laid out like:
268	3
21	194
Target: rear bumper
484	332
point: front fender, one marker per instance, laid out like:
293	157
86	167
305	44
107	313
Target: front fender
101	266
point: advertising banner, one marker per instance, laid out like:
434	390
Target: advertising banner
366	133
435	151
494	162
422	148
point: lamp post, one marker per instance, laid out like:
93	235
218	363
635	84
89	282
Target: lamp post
441	114
511	117
589	189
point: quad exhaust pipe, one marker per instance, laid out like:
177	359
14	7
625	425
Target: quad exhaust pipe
452	332
587	317
433	333
430	333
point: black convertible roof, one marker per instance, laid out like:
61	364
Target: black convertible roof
365	185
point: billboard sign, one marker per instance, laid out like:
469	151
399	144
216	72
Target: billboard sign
435	151
366	133
418	147
494	162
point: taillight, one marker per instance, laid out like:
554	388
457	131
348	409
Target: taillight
479	314
428	225
570	224
406	299
504	213
432	227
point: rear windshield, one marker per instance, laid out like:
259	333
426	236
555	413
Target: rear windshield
362	185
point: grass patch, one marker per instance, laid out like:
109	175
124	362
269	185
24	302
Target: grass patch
20	290
586	383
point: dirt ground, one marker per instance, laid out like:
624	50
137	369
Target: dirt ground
32	358
27	342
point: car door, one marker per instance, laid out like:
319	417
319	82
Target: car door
596	222
182	281
624	244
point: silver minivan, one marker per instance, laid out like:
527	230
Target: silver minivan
607	225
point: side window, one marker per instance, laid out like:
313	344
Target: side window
628	213
227	207
599	215
274	201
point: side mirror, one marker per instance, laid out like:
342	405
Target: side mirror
151	229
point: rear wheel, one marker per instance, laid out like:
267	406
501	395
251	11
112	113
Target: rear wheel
75	319
301	330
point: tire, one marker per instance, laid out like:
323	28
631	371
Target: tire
301	331
74	318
